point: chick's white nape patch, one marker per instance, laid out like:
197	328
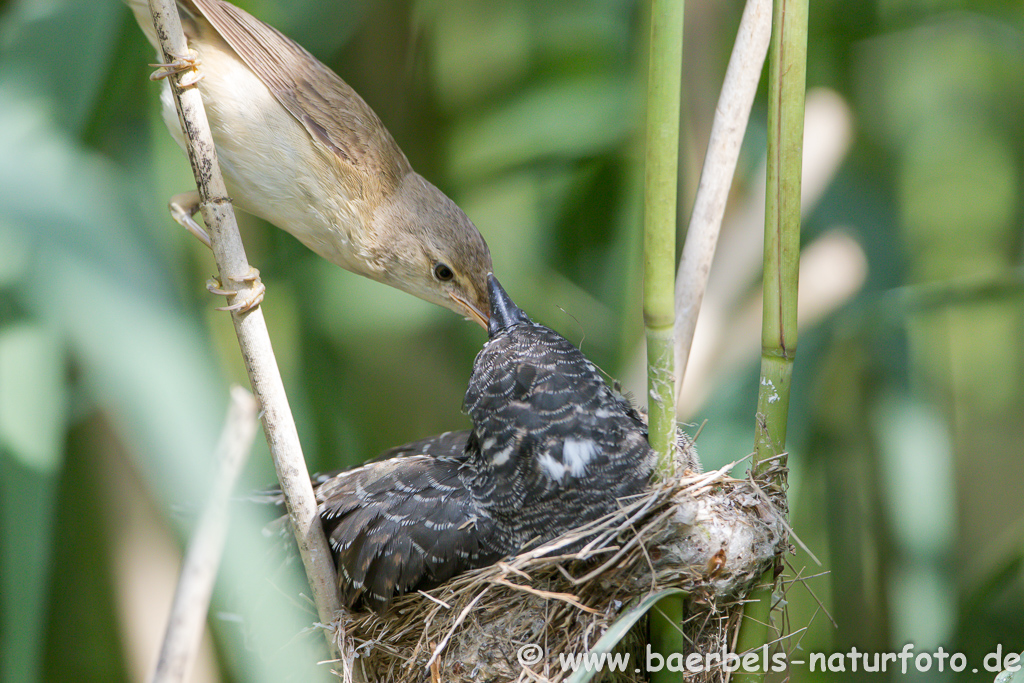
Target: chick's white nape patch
501	457
577	454
551	467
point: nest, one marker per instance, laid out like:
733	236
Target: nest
708	534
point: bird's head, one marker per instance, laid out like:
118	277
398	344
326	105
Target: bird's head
430	248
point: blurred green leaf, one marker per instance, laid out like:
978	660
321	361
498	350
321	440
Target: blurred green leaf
619	628
15	249
304	21
946	161
93	281
33	401
353	305
948	63
96	283
561	119
477	47
61	47
1012	676
918	474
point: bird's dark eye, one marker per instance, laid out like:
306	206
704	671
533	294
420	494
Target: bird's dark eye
443	273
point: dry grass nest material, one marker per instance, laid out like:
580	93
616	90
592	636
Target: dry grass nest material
708	534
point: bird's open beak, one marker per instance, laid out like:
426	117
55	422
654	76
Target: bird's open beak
473	313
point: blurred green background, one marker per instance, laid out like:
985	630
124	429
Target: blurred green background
907	428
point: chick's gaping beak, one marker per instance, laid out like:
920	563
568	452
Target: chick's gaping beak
472	312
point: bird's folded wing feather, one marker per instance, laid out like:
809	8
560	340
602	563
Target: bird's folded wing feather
331	111
405	524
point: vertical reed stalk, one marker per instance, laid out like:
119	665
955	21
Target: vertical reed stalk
786	76
660	188
662	163
786	84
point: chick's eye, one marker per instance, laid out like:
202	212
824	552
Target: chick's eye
443	273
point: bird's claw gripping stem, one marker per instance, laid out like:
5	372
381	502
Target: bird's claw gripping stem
183	206
215	286
188	62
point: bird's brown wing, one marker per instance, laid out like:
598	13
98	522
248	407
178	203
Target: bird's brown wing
403	524
332	112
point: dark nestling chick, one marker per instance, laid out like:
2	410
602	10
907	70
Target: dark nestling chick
552	447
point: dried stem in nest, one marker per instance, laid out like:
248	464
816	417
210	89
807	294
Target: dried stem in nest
250	327
199	568
727	131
